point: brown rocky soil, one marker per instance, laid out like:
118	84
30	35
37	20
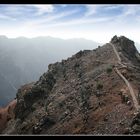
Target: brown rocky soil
6	114
82	95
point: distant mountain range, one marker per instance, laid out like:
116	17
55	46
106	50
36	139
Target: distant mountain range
23	60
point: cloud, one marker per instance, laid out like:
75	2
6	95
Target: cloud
5	17
96	9
111	7
41	9
79	22
128	15
49	19
91	10
25	11
64	5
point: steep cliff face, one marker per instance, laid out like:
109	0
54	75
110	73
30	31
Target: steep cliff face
82	95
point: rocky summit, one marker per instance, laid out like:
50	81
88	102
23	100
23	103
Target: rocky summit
93	92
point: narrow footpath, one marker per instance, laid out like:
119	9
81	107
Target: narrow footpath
133	95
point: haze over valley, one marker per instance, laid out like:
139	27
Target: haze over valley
23	60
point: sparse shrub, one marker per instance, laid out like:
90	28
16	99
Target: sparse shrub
46	108
33	109
99	86
77	65
79	74
8	117
109	70
61	104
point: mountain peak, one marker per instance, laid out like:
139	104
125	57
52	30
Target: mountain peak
126	47
121	39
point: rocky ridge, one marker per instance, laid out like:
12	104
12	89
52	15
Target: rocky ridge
83	94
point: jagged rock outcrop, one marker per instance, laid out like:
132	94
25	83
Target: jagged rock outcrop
81	95
127	49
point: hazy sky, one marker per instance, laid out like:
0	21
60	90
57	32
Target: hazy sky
95	22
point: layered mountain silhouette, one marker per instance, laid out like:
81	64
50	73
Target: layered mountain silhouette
23	60
93	92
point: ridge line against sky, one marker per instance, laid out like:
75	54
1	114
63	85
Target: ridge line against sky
95	22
